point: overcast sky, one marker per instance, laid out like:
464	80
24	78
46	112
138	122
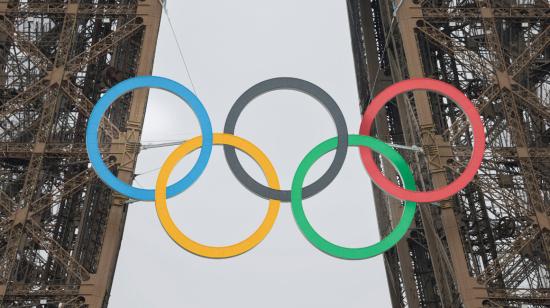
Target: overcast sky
230	46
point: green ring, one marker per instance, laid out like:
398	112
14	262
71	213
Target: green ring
317	240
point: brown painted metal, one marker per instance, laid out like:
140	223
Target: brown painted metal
490	245
60	227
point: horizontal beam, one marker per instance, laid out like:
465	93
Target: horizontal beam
25	150
23	9
469	13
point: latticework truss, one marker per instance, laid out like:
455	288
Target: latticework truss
489	246
60	227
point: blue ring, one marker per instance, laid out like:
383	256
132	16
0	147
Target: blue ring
112	95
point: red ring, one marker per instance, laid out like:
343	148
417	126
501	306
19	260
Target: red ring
444	89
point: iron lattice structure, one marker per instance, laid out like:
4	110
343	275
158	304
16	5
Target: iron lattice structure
60	227
489	246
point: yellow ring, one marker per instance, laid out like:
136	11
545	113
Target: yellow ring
210	251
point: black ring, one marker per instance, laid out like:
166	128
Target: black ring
285	83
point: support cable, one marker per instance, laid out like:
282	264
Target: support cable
386	44
169	144
180	49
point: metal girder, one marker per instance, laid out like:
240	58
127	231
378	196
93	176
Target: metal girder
24	150
7	203
489	95
499	154
460	53
69	187
507	258
105	44
66	39
461	123
29	291
472	13
85	106
24	98
35	55
59	8
530	53
74	66
35	165
55	150
531	101
535	296
57	251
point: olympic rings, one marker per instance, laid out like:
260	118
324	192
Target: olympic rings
272	191
343	252
113	94
189	244
455	95
307	88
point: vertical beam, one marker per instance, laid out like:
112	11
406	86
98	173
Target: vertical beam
378	80
471	292
96	293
